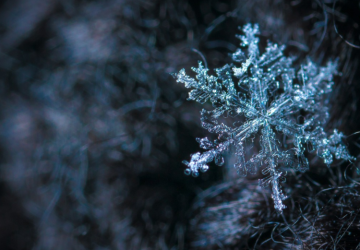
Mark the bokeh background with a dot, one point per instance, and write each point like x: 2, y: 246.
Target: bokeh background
x: 94, y: 127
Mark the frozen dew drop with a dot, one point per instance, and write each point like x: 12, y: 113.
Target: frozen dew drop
x: 219, y: 160
x: 204, y: 168
x: 195, y: 174
x: 187, y: 171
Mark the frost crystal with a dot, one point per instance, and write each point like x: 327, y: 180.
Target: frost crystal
x: 287, y: 109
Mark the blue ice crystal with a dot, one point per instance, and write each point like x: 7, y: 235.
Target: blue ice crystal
x: 266, y: 97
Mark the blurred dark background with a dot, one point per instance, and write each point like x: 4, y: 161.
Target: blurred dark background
x: 94, y: 128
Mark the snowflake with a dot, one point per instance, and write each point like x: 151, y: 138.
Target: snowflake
x: 270, y: 99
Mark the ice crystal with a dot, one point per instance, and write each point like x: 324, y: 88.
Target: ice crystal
x: 266, y: 97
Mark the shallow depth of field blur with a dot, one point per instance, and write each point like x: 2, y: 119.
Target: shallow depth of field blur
x: 94, y: 129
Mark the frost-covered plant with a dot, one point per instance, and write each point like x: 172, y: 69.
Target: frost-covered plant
x: 266, y: 97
